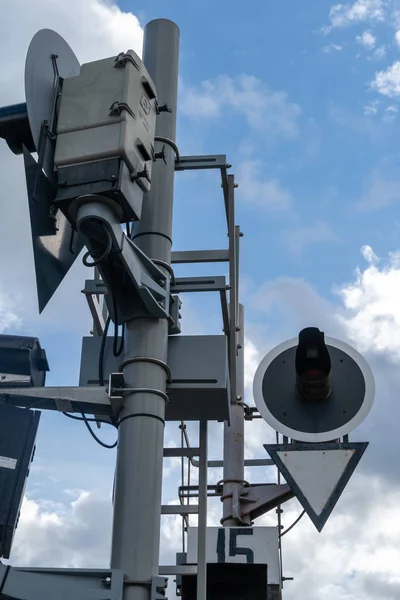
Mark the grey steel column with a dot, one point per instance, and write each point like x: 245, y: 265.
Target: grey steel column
x: 202, y: 523
x: 234, y: 442
x: 137, y: 506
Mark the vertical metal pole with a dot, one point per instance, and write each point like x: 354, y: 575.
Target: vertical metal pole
x: 234, y: 444
x: 137, y: 506
x: 202, y: 524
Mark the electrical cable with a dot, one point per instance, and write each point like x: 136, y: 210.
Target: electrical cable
x: 94, y: 436
x: 117, y: 351
x: 87, y: 421
x: 102, y: 350
x: 97, y: 261
x: 293, y: 524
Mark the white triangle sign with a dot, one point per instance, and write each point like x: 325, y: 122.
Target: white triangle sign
x: 317, y: 473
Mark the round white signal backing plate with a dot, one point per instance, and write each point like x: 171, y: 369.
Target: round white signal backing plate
x: 321, y: 436
x: 39, y: 75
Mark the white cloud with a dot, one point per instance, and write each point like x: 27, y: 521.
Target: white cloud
x: 343, y: 15
x: 380, y: 192
x: 264, y: 109
x: 261, y: 192
x: 387, y: 82
x: 327, y: 49
x: 371, y: 109
x: 297, y: 239
x: 397, y: 37
x: 366, y: 39
x: 369, y: 255
x: 379, y: 53
x: 8, y: 318
x: 372, y: 305
x: 75, y: 534
x: 251, y: 361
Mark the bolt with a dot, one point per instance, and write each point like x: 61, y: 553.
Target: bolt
x: 164, y: 108
x: 113, y: 178
x: 239, y: 346
x: 239, y: 398
x: 236, y: 185
x: 91, y: 332
x: 62, y: 182
x: 237, y: 328
x: 241, y: 234
x: 161, y: 155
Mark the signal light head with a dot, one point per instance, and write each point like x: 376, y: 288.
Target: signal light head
x: 313, y: 366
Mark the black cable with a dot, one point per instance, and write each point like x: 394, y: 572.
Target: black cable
x: 117, y: 351
x: 105, y: 254
x: 102, y: 350
x: 94, y: 436
x: 87, y: 421
x: 293, y: 524
x: 90, y: 419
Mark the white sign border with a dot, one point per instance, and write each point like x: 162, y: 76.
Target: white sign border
x: 326, y: 435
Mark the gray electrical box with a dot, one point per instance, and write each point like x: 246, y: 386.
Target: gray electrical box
x: 105, y: 133
x: 18, y: 428
x: 199, y: 387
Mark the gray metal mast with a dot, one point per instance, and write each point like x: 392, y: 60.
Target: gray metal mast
x: 136, y: 526
x: 233, y: 473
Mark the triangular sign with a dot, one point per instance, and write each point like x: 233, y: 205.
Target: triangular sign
x: 317, y: 473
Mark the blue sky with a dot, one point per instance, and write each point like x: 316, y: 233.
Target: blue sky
x: 303, y: 100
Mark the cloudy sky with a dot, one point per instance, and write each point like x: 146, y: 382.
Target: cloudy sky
x: 303, y: 98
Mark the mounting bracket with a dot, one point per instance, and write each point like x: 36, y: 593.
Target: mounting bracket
x: 127, y: 272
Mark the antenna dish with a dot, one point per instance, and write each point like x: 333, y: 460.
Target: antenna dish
x: 40, y: 75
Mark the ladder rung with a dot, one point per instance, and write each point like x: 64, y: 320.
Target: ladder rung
x: 178, y: 570
x: 178, y: 509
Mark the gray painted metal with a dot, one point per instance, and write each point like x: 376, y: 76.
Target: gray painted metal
x: 319, y: 517
x: 202, y: 520
x: 27, y: 583
x: 257, y: 499
x: 137, y: 500
x: 351, y: 399
x: 55, y: 245
x: 187, y: 509
x: 199, y: 256
x: 40, y: 76
x: 139, y: 285
x: 172, y: 452
x: 190, y: 404
x: 178, y: 570
x: 199, y: 284
x: 249, y: 462
x: 212, y: 161
x: 233, y: 289
x: 233, y: 473
x: 199, y: 385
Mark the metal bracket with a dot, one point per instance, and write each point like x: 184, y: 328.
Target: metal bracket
x: 256, y: 500
x: 58, y: 584
x: 126, y: 270
x: 199, y: 256
x: 191, y: 163
x: 123, y: 58
x: 116, y: 109
x: 199, y: 284
x: 158, y: 587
